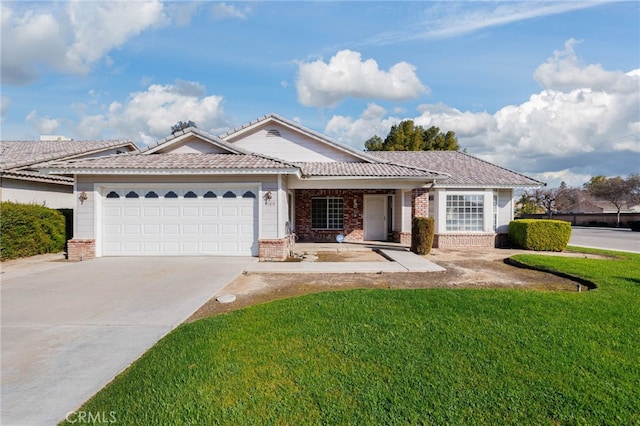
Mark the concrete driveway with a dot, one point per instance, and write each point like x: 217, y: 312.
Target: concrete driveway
x: 70, y: 328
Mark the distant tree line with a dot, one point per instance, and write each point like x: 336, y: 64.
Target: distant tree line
x: 620, y: 192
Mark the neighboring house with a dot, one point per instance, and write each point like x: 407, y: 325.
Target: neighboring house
x: 21, y: 182
x: 243, y: 193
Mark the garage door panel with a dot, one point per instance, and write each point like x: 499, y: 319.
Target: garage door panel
x: 132, y: 211
x: 152, y: 229
x: 210, y: 229
x: 191, y: 211
x: 171, y: 211
x: 130, y: 247
x: 132, y: 229
x: 152, y: 247
x: 191, y: 229
x: 170, y: 229
x: 179, y: 226
x: 151, y: 212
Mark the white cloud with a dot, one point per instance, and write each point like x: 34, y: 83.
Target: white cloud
x: 452, y: 19
x: 43, y: 125
x: 565, y: 72
x: 222, y: 11
x: 71, y: 39
x: 151, y: 113
x: 4, y: 105
x: 346, y: 75
x: 371, y: 122
x: 588, y: 129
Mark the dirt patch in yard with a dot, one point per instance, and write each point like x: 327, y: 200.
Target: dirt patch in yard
x: 349, y: 256
x: 464, y: 269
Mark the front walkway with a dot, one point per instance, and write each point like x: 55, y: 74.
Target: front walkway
x: 400, y: 260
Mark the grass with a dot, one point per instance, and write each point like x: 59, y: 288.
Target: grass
x: 433, y: 356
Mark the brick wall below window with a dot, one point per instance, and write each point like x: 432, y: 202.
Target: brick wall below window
x: 464, y: 240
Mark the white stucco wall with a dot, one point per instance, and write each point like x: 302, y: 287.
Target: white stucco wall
x: 289, y: 146
x: 54, y: 196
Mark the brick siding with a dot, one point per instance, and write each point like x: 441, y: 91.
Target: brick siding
x: 353, y: 213
x: 464, y: 240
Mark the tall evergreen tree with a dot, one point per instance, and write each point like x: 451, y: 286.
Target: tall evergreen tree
x: 406, y: 136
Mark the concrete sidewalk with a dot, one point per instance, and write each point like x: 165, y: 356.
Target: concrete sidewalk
x: 69, y: 328
x: 401, y: 261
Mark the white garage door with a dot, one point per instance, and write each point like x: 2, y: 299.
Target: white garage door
x: 186, y: 221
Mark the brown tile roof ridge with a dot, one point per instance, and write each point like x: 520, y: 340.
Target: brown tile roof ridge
x: 364, y: 169
x: 465, y: 169
x: 171, y: 161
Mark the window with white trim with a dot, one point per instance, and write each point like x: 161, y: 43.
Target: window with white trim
x: 465, y: 212
x: 327, y: 213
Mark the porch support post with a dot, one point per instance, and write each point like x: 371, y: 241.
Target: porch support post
x: 419, y: 202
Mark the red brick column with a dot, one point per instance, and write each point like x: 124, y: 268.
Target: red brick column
x: 273, y: 250
x: 81, y: 249
x: 419, y: 202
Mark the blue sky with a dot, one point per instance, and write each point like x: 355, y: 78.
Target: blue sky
x: 550, y: 89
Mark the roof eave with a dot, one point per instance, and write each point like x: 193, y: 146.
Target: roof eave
x: 177, y: 171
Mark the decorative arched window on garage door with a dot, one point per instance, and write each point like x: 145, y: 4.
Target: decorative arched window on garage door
x: 210, y: 194
x: 190, y: 194
x: 248, y: 194
x: 170, y: 194
x: 229, y: 194
x: 113, y: 194
x: 132, y: 194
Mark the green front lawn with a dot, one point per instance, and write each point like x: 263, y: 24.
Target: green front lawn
x: 435, y: 356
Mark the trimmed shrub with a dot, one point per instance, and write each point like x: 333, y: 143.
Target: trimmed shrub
x: 30, y: 229
x: 422, y: 230
x: 540, y: 235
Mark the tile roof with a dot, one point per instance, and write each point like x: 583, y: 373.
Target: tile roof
x: 24, y: 153
x: 464, y: 169
x: 36, y: 176
x: 358, y: 169
x: 168, y: 162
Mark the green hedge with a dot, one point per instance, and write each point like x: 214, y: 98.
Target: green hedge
x: 540, y: 235
x: 30, y: 229
x: 422, y: 230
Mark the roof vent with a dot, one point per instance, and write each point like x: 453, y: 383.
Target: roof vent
x: 272, y: 133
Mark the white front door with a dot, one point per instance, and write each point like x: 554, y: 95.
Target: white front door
x: 375, y: 220
x: 179, y: 221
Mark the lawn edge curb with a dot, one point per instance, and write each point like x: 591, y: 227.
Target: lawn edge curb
x: 587, y: 283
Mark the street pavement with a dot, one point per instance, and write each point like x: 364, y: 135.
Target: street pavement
x: 622, y: 239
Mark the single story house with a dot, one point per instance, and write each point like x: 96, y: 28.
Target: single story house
x: 245, y: 192
x: 21, y: 182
